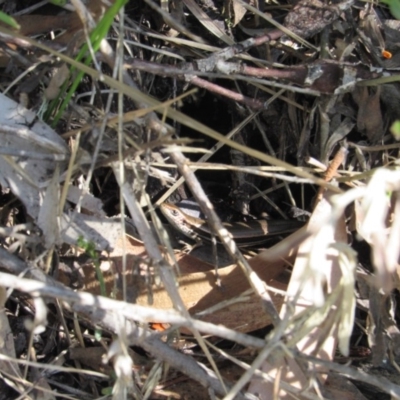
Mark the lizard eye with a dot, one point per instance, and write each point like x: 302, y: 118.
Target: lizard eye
x: 174, y: 213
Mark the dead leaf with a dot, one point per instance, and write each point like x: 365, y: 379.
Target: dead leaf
x: 86, y: 201
x: 369, y: 117
x: 49, y: 212
x: 309, y: 17
x: 308, y: 284
x: 57, y: 80
x: 42, y: 390
x: 238, y: 12
x: 378, y: 223
x: 103, y: 232
x: 339, y: 387
x: 7, y: 341
x: 198, y: 286
x: 25, y: 175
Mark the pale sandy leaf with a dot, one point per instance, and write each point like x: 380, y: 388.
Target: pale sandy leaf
x: 309, y: 276
x: 48, y: 213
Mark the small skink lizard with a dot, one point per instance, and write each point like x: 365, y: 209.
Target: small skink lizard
x: 249, y: 233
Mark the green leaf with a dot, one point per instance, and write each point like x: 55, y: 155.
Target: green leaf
x: 58, y: 2
x: 9, y: 20
x: 107, y: 391
x: 394, y: 7
x: 395, y: 129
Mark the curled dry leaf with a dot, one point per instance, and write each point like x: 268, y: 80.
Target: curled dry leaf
x: 238, y: 12
x: 316, y: 268
x: 374, y: 217
x: 60, y: 76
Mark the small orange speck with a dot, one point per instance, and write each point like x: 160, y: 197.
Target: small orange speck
x: 156, y: 326
x: 386, y: 54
